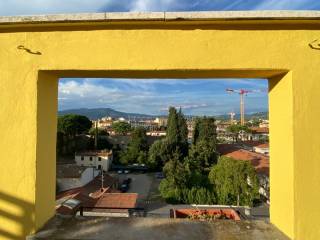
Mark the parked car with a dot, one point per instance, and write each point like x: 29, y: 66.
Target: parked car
x: 127, y: 181
x: 159, y: 175
x: 120, y: 171
x: 124, y: 187
x: 126, y: 171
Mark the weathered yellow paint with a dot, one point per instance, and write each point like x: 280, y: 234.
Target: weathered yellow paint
x: 277, y: 50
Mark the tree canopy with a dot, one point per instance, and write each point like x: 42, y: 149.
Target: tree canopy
x: 234, y: 181
x: 72, y: 124
x: 137, y: 148
x: 121, y: 127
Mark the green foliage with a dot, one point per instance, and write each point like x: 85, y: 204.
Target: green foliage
x: 101, y: 132
x: 196, y: 195
x: 121, y: 127
x: 72, y: 125
x: 254, y: 122
x: 159, y: 154
x: 175, y: 171
x: 172, y: 127
x: 177, y: 131
x: 235, y: 129
x: 69, y: 126
x: 234, y: 181
x: 205, y: 130
x: 203, y: 155
x: 137, y: 148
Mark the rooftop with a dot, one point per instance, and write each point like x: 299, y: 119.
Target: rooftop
x: 161, y: 16
x: 69, y: 171
x: 155, y: 228
x: 94, y: 153
x: 259, y: 161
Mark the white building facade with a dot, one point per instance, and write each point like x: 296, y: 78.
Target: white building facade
x: 97, y: 159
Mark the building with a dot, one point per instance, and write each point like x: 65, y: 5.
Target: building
x: 96, y: 199
x: 146, y: 124
x: 264, y: 124
x: 111, y: 205
x: 161, y: 121
x: 259, y: 133
x: 157, y: 133
x: 71, y: 176
x: 98, y: 159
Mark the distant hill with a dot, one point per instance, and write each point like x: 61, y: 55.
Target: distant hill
x: 95, y: 113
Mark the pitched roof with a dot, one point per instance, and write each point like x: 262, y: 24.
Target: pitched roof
x: 117, y: 200
x: 69, y: 171
x: 260, y: 129
x: 259, y: 161
x: 256, y: 144
x: 94, y: 153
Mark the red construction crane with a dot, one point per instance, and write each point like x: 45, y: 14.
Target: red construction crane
x: 242, y: 92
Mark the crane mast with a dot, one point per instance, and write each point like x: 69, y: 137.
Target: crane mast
x: 242, y: 93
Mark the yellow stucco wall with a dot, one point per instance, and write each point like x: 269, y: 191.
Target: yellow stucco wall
x: 279, y: 51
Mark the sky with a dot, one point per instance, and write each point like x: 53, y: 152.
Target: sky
x: 153, y: 96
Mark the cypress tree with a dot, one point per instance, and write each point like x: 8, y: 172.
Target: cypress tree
x: 172, y: 128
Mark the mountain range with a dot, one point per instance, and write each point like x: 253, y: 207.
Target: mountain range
x: 96, y: 113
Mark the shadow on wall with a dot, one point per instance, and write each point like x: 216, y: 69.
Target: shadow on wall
x: 16, y: 217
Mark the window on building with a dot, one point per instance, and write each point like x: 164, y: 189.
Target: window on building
x: 90, y: 158
x: 82, y: 158
x: 99, y: 158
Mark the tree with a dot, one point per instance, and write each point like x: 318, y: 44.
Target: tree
x: 176, y: 179
x: 137, y: 148
x: 234, y: 181
x: 235, y: 130
x: 159, y: 154
x: 172, y: 127
x: 202, y: 154
x: 69, y: 126
x: 72, y: 124
x: 205, y: 129
x: 101, y: 132
x: 121, y: 127
x: 177, y: 132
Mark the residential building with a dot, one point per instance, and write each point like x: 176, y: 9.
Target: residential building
x: 157, y: 133
x: 161, y: 121
x: 95, y: 199
x: 98, y: 159
x: 71, y: 176
x: 146, y: 124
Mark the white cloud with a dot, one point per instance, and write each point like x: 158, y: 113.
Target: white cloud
x: 286, y: 4
x: 29, y: 7
x: 74, y: 92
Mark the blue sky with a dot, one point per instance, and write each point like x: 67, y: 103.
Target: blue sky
x: 153, y: 96
x: 25, y: 7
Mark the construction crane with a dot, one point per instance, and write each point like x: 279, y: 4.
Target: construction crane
x: 242, y: 93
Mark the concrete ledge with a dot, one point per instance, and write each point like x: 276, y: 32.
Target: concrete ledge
x: 162, y: 16
x: 156, y: 229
